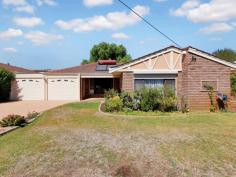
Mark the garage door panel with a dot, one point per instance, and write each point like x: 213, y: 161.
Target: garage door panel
x: 29, y: 89
x: 63, y: 89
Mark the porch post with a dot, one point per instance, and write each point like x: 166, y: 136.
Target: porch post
x: 45, y: 79
x: 79, y: 87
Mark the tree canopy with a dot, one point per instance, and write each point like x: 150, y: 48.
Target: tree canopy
x: 5, y: 84
x: 226, y: 54
x: 106, y: 51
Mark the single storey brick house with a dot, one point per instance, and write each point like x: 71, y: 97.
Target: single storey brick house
x: 185, y: 70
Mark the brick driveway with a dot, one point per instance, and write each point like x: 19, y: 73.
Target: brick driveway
x: 24, y: 107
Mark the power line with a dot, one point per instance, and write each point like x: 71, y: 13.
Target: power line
x: 146, y: 21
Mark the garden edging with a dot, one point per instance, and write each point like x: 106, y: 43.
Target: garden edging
x: 12, y: 128
x: 135, y: 116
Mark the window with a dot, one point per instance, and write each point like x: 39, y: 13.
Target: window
x: 213, y: 84
x: 154, y: 83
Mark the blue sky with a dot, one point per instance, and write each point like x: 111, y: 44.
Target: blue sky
x: 59, y: 33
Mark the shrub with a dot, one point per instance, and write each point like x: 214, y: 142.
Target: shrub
x: 144, y: 99
x: 137, y: 100
x: 167, y: 100
x: 32, y: 115
x: 210, y: 91
x: 113, y: 104
x: 233, y: 84
x: 6, y: 78
x: 148, y: 99
x: 110, y: 93
x: 12, y: 120
x: 167, y: 104
x: 184, y: 105
x: 161, y: 99
x: 127, y: 100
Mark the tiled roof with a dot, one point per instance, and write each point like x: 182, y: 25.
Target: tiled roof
x: 87, y: 68
x: 16, y: 69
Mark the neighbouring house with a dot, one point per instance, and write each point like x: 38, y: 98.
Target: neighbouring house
x: 185, y: 70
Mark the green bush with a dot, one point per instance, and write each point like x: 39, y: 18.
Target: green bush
x: 166, y: 102
x: 127, y: 100
x: 144, y: 99
x: 32, y: 115
x: 184, y: 105
x: 211, y: 94
x: 113, y: 104
x: 13, y: 120
x: 233, y: 84
x: 110, y: 93
x: 137, y: 100
x: 149, y: 98
x: 6, y: 78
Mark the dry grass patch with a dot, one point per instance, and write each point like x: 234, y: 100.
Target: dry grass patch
x: 73, y: 140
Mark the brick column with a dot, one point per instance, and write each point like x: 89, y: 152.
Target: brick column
x: 128, y: 81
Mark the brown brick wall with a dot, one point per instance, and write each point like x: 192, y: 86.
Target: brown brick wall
x: 232, y: 105
x: 194, y: 72
x: 127, y: 81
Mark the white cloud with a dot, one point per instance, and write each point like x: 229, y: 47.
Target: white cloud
x: 234, y: 24
x: 185, y: 8
x: 26, y: 8
x: 92, y: 3
x: 121, y: 36
x: 142, y: 42
x: 20, y: 43
x: 113, y: 21
x: 19, y: 5
x: 41, y: 38
x: 9, y: 50
x: 14, y: 2
x: 160, y: 0
x: 10, y: 33
x: 46, y: 2
x: 28, y: 22
x: 217, y: 28
x: 213, y: 11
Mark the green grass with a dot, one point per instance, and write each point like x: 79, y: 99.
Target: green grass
x: 75, y: 140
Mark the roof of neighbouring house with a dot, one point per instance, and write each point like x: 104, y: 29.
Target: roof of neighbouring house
x: 86, y: 68
x: 16, y: 69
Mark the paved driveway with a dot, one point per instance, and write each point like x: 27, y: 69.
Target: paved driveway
x: 24, y: 107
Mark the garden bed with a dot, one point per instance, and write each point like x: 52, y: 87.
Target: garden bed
x: 8, y: 129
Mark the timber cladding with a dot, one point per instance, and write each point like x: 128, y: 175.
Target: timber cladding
x: 196, y: 71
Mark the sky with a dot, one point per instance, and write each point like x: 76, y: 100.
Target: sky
x: 50, y: 34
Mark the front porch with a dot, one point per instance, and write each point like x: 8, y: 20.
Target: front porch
x: 96, y: 87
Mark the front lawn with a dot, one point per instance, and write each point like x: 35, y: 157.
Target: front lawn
x: 75, y: 140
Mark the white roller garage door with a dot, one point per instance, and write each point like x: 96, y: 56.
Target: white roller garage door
x: 63, y: 89
x: 29, y: 89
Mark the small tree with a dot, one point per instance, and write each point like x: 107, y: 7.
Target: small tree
x: 105, y: 51
x: 6, y: 78
x: 85, y: 61
x: 233, y: 84
x: 211, y: 94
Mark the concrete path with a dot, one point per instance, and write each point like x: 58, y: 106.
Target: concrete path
x: 25, y: 107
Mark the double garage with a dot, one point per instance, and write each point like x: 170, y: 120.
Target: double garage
x: 46, y: 87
